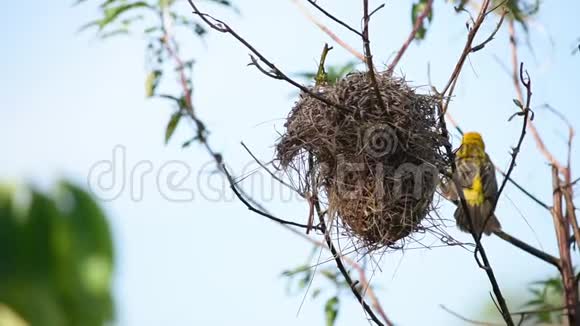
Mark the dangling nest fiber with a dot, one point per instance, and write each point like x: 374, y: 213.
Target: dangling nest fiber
x: 377, y: 165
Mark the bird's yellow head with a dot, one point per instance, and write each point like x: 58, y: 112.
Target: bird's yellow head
x: 472, y: 145
x: 473, y: 138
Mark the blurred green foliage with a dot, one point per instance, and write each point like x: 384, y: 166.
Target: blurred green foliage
x: 333, y: 73
x: 518, y: 10
x: 300, y: 279
x: 56, y: 258
x: 331, y: 284
x: 547, y: 300
x: 121, y: 17
x: 416, y: 10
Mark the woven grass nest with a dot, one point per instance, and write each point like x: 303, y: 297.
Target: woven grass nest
x: 376, y: 165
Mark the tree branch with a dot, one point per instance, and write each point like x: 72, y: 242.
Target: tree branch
x: 466, y: 51
x: 529, y: 249
x: 418, y: 23
x: 486, y: 265
x: 538, y: 139
x: 490, y: 38
x: 259, y: 211
x: 325, y: 29
x: 523, y: 190
x: 341, y: 22
x: 467, y: 320
x: 343, y: 271
x: 562, y: 235
x: 369, y: 56
x: 222, y: 27
x: 527, y: 82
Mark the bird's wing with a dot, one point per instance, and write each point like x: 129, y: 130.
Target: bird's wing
x: 466, y: 170
x: 489, y: 180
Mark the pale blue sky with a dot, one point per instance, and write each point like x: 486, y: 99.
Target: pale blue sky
x: 67, y: 99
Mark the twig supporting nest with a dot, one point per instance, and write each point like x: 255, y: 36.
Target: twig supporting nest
x: 377, y: 168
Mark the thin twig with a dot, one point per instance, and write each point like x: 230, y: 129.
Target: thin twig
x: 259, y: 211
x: 535, y: 134
x: 467, y: 320
x: 222, y: 27
x: 272, y: 174
x: 369, y: 55
x: 368, y: 289
x: 529, y: 312
x: 328, y: 32
x: 418, y: 23
x: 522, y: 245
x: 329, y: 15
x: 344, y: 272
x: 523, y: 190
x: 529, y: 249
x: 466, y: 51
x: 527, y: 82
x: 490, y: 38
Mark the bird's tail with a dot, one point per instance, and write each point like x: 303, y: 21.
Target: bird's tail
x: 477, y: 220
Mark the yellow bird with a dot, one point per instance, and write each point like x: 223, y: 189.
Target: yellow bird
x: 475, y: 176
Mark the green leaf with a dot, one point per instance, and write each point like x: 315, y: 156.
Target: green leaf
x: 336, y: 72
x: 117, y: 32
x: 171, y: 125
x: 170, y: 97
x: 416, y: 11
x: 534, y: 302
x: 333, y: 74
x: 306, y: 75
x: 57, y: 259
x: 110, y: 2
x: 151, y: 29
x: 188, y: 143
x: 89, y: 25
x: 329, y: 275
x: 298, y: 270
x: 316, y: 292
x: 518, y: 103
x: 346, y: 69
x: 460, y: 5
x: 226, y: 3
x: 305, y: 280
x: 165, y: 3
x: 331, y: 310
x: 111, y: 14
x: 151, y: 82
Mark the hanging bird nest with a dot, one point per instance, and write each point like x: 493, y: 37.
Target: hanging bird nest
x: 375, y: 164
